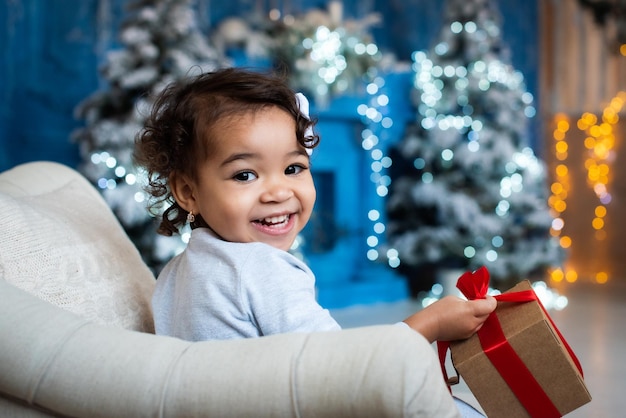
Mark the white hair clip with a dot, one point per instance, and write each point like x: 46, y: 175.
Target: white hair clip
x: 303, y: 104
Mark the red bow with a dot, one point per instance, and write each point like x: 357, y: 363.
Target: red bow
x: 474, y: 285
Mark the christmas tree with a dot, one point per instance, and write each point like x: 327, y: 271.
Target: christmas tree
x: 467, y: 190
x: 160, y: 42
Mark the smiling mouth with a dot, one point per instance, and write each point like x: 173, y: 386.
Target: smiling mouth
x: 274, y: 221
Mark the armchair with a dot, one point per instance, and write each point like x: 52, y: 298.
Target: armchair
x: 76, y: 334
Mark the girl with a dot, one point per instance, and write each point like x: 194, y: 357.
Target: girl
x: 229, y: 152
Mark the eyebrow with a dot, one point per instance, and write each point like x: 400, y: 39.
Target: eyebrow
x: 239, y: 156
x: 251, y: 156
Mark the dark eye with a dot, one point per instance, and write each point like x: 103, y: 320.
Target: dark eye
x: 294, y: 169
x: 244, y: 176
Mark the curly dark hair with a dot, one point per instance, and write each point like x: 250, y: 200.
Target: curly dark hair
x: 177, y: 134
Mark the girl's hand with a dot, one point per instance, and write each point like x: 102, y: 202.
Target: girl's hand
x: 451, y: 318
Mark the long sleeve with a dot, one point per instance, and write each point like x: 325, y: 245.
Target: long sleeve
x: 222, y: 290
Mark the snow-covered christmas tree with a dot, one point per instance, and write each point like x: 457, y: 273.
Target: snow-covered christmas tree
x: 467, y: 189
x: 160, y: 42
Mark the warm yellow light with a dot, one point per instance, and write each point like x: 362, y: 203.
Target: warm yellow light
x: 565, y: 242
x: 571, y: 276
x: 622, y: 49
x: 560, y: 206
x: 617, y: 102
x: 600, y: 143
x: 606, y: 129
x: 602, y: 277
x: 612, y: 119
x: 589, y: 118
x: 559, y: 190
x: 556, y: 188
x: 558, y: 135
x: 557, y: 275
x: 597, y: 223
x: 610, y: 110
x: 595, y: 131
x: 609, y: 141
x: 562, y: 125
x: 552, y: 199
x: 601, y: 151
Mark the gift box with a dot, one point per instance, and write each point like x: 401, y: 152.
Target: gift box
x: 518, y: 364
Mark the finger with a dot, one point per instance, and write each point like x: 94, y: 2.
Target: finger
x: 484, y: 306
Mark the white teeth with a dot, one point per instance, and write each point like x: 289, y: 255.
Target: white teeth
x: 276, y: 219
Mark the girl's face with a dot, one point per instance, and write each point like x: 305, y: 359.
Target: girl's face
x: 256, y: 186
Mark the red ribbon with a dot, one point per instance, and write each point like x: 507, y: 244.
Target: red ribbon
x: 474, y: 285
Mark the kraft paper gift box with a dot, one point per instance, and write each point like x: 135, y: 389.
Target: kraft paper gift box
x: 529, y: 370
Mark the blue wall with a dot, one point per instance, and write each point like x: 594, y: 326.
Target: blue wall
x: 52, y: 49
x: 49, y: 64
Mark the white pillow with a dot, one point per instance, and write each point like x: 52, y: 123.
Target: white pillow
x: 64, y: 245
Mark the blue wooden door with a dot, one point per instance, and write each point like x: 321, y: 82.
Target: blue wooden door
x: 336, y: 239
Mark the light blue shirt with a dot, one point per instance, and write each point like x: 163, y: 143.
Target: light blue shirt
x: 217, y: 289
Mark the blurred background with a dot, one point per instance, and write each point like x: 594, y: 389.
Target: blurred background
x: 455, y: 134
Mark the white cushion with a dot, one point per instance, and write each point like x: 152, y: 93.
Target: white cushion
x: 59, y: 363
x: 62, y: 243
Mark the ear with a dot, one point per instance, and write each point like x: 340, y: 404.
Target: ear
x: 183, y: 191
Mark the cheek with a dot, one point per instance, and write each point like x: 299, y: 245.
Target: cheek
x: 223, y: 208
x: 235, y: 206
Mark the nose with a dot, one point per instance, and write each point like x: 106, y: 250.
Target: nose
x: 276, y: 190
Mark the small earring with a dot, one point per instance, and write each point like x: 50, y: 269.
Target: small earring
x: 191, y: 217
